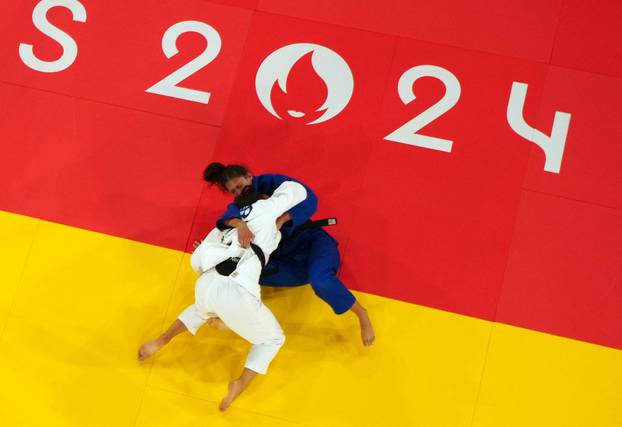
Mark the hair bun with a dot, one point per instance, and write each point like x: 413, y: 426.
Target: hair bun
x: 213, y: 172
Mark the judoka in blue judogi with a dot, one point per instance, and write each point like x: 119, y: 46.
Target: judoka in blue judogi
x: 305, y: 255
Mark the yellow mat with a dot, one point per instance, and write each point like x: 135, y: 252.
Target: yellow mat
x: 75, y: 305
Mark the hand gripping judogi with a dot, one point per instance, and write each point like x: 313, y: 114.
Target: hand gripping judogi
x: 236, y: 298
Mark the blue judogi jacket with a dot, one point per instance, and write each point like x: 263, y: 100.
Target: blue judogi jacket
x: 290, y: 264
x: 266, y: 184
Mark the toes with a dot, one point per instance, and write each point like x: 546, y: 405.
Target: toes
x: 225, y: 403
x: 368, y: 340
x: 146, y: 351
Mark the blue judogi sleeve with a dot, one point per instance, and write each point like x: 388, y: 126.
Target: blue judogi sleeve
x: 266, y: 184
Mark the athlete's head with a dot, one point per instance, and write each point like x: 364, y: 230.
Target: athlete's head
x: 248, y: 198
x: 234, y: 179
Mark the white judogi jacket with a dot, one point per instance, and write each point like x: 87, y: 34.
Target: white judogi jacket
x: 261, y: 220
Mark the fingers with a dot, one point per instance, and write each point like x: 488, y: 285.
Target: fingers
x: 245, y: 242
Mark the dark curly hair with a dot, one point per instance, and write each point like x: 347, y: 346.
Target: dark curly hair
x: 219, y: 174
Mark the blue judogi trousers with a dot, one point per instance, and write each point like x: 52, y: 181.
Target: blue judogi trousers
x: 310, y: 256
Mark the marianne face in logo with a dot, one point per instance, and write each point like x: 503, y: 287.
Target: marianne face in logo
x: 328, y: 65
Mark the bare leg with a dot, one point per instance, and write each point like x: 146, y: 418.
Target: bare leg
x: 148, y: 349
x: 367, y: 331
x: 217, y: 323
x: 236, y: 387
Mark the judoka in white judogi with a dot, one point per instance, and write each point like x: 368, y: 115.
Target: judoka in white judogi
x: 236, y: 299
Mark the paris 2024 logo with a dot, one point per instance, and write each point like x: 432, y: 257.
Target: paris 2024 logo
x: 327, y: 64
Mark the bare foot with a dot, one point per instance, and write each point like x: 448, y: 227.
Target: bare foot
x: 148, y: 349
x: 367, y: 330
x: 235, y: 388
x: 216, y: 323
x: 367, y: 333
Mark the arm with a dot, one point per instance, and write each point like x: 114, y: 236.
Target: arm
x: 213, y: 237
x: 232, y: 219
x: 286, y: 196
x: 231, y: 213
x: 245, y: 235
x: 298, y: 214
x: 304, y: 210
x: 280, y: 221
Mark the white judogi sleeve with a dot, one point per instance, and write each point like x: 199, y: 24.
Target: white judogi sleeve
x: 214, y: 249
x: 262, y: 222
x: 286, y: 196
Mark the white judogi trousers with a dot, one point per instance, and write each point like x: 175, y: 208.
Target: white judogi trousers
x: 221, y: 296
